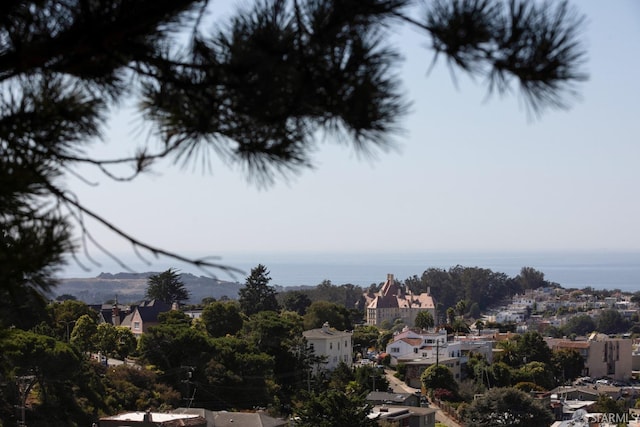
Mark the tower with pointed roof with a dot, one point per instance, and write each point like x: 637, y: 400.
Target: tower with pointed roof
x: 393, y: 302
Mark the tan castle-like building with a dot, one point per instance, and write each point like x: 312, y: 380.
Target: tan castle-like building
x: 394, y: 302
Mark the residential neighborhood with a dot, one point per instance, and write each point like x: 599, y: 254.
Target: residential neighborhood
x: 609, y: 363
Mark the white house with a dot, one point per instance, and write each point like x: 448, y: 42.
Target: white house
x: 410, y: 344
x: 336, y: 346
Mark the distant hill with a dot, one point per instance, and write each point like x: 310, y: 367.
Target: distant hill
x: 131, y: 287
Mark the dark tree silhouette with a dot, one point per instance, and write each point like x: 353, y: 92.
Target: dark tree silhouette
x: 167, y: 287
x: 257, y: 295
x: 257, y: 90
x: 507, y: 407
x: 424, y: 320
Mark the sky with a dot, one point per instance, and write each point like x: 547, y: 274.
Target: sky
x: 471, y: 173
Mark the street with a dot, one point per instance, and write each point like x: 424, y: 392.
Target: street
x: 401, y: 387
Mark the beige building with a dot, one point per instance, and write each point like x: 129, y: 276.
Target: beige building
x: 336, y: 346
x: 603, y: 356
x: 394, y: 302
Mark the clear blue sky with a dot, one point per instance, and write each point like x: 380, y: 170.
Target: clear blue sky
x: 470, y: 174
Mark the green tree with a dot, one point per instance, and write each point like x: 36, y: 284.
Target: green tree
x: 424, y: 320
x: 451, y: 315
x: 333, y: 408
x: 280, y: 336
x: 438, y: 376
x: 106, y: 339
x: 295, y: 301
x: 610, y: 321
x: 607, y: 405
x: 167, y: 287
x: 129, y: 388
x: 64, y: 315
x: 52, y: 363
x: 222, y: 318
x: 238, y: 366
x: 568, y: 364
x: 461, y: 308
x: 323, y: 66
x: 370, y: 378
x: 126, y: 342
x: 83, y: 333
x: 320, y: 312
x: 499, y: 375
x: 506, y: 407
x: 257, y: 295
x: 530, y: 278
x: 580, y: 324
x: 535, y: 372
x: 531, y: 347
x: 460, y: 326
x: 508, y: 353
x: 474, y: 310
x: 365, y: 336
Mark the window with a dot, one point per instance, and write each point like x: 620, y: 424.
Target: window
x: 136, y: 325
x: 346, y: 344
x: 330, y: 346
x: 415, y: 350
x: 395, y: 349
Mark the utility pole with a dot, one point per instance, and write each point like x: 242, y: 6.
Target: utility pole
x: 24, y: 383
x: 188, y: 397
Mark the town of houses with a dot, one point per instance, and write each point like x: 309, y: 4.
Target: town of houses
x: 611, y: 362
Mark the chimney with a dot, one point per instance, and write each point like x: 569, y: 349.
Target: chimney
x: 390, y: 277
x: 115, y: 313
x: 147, y: 417
x: 325, y: 327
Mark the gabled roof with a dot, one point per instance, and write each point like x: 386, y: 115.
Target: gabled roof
x: 149, y: 310
x: 383, y: 396
x: 392, y: 295
x: 415, y: 342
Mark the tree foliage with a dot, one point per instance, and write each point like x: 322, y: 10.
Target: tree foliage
x: 530, y: 278
x: 222, y: 318
x: 167, y: 287
x: 257, y: 295
x: 295, y: 301
x: 438, y: 376
x: 581, y: 324
x: 333, y: 408
x: 320, y: 312
x: 568, y: 364
x: 506, y: 407
x: 610, y: 321
x: 424, y: 320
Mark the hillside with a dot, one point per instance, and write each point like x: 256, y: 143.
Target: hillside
x: 131, y: 287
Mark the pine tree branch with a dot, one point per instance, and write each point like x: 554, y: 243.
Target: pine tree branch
x: 200, y: 263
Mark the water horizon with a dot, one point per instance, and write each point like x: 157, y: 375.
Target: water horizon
x: 570, y: 269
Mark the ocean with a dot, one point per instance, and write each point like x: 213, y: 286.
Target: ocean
x: 597, y: 269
